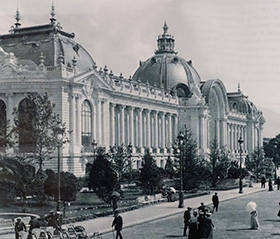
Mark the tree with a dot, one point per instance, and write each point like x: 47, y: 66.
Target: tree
x: 224, y: 163
x: 69, y: 186
x: 169, y: 168
x: 192, y: 165
x: 102, y: 177
x: 151, y: 175
x: 214, y: 161
x: 255, y: 162
x: 44, y: 125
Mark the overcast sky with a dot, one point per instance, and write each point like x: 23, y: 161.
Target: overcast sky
x: 236, y: 41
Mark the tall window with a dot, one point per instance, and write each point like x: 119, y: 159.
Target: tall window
x: 86, y: 126
x: 26, y: 126
x: 3, y: 125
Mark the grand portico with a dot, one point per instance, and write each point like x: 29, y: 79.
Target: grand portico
x: 164, y: 95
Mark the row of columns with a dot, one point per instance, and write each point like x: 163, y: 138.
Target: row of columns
x: 236, y: 131
x: 143, y: 128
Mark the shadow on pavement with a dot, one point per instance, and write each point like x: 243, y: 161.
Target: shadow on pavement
x: 271, y: 220
x: 172, y: 236
x: 239, y: 229
x: 275, y: 234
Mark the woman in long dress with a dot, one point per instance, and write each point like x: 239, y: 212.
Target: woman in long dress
x: 193, y: 231
x: 254, y: 220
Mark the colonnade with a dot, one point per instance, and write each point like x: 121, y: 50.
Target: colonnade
x: 142, y: 127
x: 235, y: 131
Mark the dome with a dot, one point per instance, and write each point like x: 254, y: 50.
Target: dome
x: 55, y: 45
x: 166, y: 69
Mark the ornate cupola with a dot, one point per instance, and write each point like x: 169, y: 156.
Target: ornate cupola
x: 165, y: 41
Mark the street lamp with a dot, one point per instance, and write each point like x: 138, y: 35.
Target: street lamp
x: 181, y: 197
x: 240, y: 142
x: 275, y: 153
x: 129, y: 149
x: 93, y: 144
x: 59, y: 137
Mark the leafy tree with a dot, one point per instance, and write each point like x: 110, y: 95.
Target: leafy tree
x: 233, y: 171
x: 102, y: 177
x: 7, y: 191
x: 69, y: 186
x: 192, y: 165
x: 45, y: 123
x: 255, y: 162
x: 224, y: 163
x: 151, y: 175
x: 121, y: 159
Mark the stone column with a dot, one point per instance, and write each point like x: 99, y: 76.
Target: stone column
x: 72, y: 122
x: 78, y: 121
x: 131, y: 126
x: 156, y: 130
x: 148, y: 138
x: 112, y: 123
x: 163, y: 130
x: 122, y: 132
x: 169, y: 131
x: 99, y: 122
x: 176, y: 126
x: 10, y: 108
x: 140, y: 132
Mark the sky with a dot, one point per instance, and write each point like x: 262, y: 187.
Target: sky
x: 236, y: 41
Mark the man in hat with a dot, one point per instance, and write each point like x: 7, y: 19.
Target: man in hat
x: 118, y: 223
x: 215, y: 200
x: 187, y: 217
x: 19, y: 226
x: 52, y: 219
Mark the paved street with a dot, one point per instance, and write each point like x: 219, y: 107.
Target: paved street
x: 232, y: 221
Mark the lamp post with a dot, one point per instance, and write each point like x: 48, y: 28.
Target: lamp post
x: 59, y: 137
x: 129, y: 148
x: 93, y: 144
x: 181, y: 197
x: 275, y: 153
x: 240, y: 142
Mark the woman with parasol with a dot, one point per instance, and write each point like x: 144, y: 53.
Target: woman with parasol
x: 251, y: 207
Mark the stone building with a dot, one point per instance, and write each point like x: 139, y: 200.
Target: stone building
x: 164, y: 95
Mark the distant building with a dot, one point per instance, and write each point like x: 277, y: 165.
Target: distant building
x: 164, y: 95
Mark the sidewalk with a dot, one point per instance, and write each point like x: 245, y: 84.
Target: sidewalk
x: 157, y: 211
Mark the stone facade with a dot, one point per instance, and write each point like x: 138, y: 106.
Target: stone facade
x: 164, y: 96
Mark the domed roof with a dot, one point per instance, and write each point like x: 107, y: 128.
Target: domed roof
x: 166, y: 69
x: 55, y: 45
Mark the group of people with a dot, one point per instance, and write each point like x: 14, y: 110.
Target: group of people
x: 270, y: 185
x: 51, y: 220
x: 199, y: 223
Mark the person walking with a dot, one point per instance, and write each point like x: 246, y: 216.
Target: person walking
x: 215, y: 200
x: 207, y: 227
x: 270, y: 186
x: 52, y: 220
x: 263, y: 181
x: 34, y: 223
x: 254, y: 220
x: 193, y: 226
x: 19, y: 227
x: 187, y: 217
x: 278, y: 183
x: 118, y: 223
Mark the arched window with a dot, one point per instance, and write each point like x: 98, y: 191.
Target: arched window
x: 26, y: 124
x: 3, y: 125
x: 86, y: 126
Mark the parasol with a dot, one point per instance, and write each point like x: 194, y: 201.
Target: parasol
x: 173, y: 190
x: 251, y: 206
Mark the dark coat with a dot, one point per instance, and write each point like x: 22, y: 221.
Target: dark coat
x: 118, y: 223
x: 20, y: 226
x: 215, y: 199
x: 187, y: 216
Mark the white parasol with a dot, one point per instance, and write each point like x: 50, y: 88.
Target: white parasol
x: 172, y: 189
x: 251, y: 206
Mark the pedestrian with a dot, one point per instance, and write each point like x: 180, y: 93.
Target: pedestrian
x: 215, y: 200
x: 278, y: 183
x: 19, y: 227
x: 207, y: 227
x: 118, y: 223
x: 254, y: 220
x: 201, y: 208
x: 278, y: 214
x: 52, y: 220
x: 187, y: 217
x: 263, y: 181
x: 34, y: 223
x: 193, y: 226
x: 270, y: 187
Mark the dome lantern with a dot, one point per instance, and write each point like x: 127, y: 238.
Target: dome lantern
x: 165, y: 41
